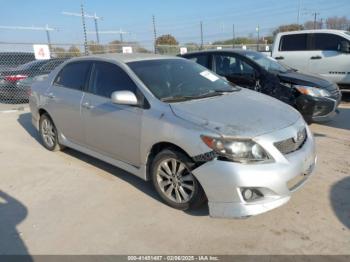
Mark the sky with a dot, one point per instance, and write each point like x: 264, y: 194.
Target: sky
x: 180, y: 18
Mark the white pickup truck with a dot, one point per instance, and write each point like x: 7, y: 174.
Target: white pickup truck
x: 324, y: 52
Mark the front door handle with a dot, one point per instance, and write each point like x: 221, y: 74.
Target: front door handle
x: 50, y: 96
x: 87, y: 106
x: 316, y: 57
x: 279, y: 58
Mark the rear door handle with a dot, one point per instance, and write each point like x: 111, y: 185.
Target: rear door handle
x: 279, y: 58
x: 87, y: 106
x: 316, y: 57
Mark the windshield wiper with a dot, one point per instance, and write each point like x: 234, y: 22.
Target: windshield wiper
x: 204, y: 95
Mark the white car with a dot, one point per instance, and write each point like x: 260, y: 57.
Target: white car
x: 324, y: 52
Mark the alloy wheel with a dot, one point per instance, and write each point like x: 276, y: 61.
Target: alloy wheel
x: 175, y: 180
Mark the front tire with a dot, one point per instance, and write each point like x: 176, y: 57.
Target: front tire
x: 48, y: 133
x: 174, y: 181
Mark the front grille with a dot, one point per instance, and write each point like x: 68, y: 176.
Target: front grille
x: 292, y: 144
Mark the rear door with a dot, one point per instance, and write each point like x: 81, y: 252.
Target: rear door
x: 293, y: 51
x: 112, y: 130
x: 65, y: 96
x: 325, y: 57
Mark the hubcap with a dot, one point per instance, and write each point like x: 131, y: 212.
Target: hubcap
x: 48, y: 132
x: 175, y: 180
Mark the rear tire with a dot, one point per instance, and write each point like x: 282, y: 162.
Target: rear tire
x: 174, y: 181
x: 48, y: 133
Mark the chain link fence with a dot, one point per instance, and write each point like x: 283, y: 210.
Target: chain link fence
x: 19, y: 69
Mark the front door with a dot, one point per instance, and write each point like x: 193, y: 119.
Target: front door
x: 235, y: 70
x: 112, y: 130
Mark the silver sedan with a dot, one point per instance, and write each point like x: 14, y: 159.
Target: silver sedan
x: 170, y: 120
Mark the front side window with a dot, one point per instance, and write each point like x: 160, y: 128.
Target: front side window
x: 179, y: 79
x: 108, y: 78
x: 200, y: 59
x: 327, y: 42
x: 297, y: 42
x: 227, y: 65
x: 73, y: 75
x: 268, y: 63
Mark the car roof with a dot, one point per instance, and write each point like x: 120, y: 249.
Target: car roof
x: 226, y: 50
x: 125, y: 58
x: 331, y: 31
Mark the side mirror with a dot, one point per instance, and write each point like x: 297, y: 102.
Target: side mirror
x: 344, y: 47
x: 124, y: 98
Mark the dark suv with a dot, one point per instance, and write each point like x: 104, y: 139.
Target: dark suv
x: 314, y: 97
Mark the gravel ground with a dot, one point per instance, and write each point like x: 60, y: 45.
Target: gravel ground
x: 70, y: 203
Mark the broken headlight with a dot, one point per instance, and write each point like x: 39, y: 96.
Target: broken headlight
x: 242, y: 151
x: 312, y: 91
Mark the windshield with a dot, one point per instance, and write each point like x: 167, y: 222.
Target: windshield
x: 269, y: 63
x: 179, y: 79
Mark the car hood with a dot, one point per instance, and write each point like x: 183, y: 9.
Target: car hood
x: 297, y: 78
x: 239, y: 114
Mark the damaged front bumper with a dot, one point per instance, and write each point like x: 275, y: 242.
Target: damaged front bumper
x: 224, y: 182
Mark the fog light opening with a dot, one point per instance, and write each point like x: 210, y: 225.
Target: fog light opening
x: 251, y: 194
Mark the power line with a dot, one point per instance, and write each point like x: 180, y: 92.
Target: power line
x: 83, y: 15
x: 46, y: 28
x: 120, y: 32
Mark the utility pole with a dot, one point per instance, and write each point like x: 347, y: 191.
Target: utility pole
x: 233, y: 36
x: 298, y: 17
x: 96, y: 28
x: 84, y: 29
x: 154, y: 33
x: 201, y: 29
x: 315, y: 18
x: 257, y: 42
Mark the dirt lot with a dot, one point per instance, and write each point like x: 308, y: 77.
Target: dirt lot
x: 69, y: 203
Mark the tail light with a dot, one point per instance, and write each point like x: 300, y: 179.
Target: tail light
x: 14, y: 78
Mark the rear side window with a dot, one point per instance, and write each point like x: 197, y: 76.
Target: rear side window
x: 51, y: 65
x: 297, y: 42
x: 326, y: 42
x: 73, y: 75
x: 200, y: 59
x: 108, y: 78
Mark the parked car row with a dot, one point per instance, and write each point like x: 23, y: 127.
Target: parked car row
x: 195, y: 135
x: 15, y: 83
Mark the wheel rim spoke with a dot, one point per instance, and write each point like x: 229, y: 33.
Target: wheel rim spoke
x: 166, y: 168
x: 163, y: 174
x: 164, y: 183
x: 177, y: 195
x: 187, y: 186
x: 169, y: 191
x: 180, y: 169
x: 183, y: 193
x: 173, y: 166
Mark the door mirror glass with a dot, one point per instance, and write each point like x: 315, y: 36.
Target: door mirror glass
x: 124, y: 98
x: 344, y: 47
